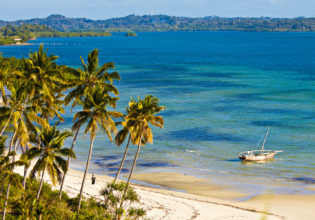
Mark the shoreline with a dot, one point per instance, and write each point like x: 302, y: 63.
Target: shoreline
x: 17, y: 44
x: 169, y: 204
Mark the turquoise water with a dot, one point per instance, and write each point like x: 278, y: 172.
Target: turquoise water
x: 222, y: 90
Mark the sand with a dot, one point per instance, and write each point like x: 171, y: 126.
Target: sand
x: 291, y: 206
x: 189, y: 184
x: 203, y: 200
x: 159, y: 203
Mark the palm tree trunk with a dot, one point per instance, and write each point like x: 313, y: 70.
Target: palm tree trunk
x: 24, y: 177
x: 123, y: 160
x: 10, y: 146
x: 6, y: 202
x: 12, y: 140
x: 6, y: 124
x: 68, y: 162
x: 131, y: 171
x: 86, y: 169
x: 8, y: 187
x: 26, y: 167
x: 121, y: 166
x: 41, y: 183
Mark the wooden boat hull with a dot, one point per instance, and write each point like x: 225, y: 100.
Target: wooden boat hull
x: 257, y: 157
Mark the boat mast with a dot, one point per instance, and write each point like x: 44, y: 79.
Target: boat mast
x: 262, y: 148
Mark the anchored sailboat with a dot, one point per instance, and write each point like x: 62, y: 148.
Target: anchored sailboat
x: 258, y: 155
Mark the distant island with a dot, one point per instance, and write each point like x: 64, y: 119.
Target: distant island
x: 130, y: 34
x: 19, y: 35
x: 134, y: 23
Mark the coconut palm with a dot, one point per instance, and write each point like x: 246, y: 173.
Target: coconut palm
x: 119, y: 139
x: 50, y: 154
x: 89, y: 76
x: 44, y: 82
x: 96, y: 115
x: 141, y: 113
x: 7, y: 164
x: 42, y: 74
x: 84, y: 80
x: 8, y: 70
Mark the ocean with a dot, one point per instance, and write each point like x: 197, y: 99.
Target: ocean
x: 222, y: 90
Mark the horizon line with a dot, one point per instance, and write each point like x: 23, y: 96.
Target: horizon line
x: 138, y: 15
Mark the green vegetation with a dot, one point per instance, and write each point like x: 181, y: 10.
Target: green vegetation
x: 20, y: 34
x: 24, y: 205
x: 133, y: 23
x: 32, y: 92
x: 130, y: 34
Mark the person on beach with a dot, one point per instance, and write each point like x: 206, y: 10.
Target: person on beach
x: 93, y: 179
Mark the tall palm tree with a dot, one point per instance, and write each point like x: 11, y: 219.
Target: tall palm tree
x: 89, y: 76
x: 96, y: 115
x: 119, y: 139
x: 7, y: 165
x: 84, y: 80
x: 44, y: 82
x: 50, y: 154
x: 8, y: 69
x: 141, y: 113
x: 42, y: 73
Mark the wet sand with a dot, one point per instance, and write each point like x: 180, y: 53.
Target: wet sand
x: 201, y: 198
x: 189, y: 184
x: 297, y: 207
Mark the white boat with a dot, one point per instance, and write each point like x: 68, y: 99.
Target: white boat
x: 258, y: 155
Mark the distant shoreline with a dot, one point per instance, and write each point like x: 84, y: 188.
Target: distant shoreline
x: 17, y: 44
x: 160, y: 22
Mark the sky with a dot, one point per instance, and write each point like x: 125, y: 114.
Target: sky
x: 102, y: 9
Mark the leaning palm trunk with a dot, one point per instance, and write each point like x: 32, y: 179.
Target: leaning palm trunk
x: 6, y: 202
x: 121, y: 166
x: 8, y: 187
x: 68, y: 162
x: 26, y: 167
x: 24, y: 177
x: 85, y: 172
x: 123, y: 160
x: 6, y: 124
x: 10, y: 145
x: 131, y: 171
x: 41, y: 183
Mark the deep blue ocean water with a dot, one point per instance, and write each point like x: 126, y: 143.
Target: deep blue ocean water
x: 222, y: 90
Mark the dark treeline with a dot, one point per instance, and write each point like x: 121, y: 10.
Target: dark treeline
x: 10, y: 34
x: 171, y: 23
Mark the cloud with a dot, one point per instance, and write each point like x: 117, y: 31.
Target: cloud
x: 273, y: 2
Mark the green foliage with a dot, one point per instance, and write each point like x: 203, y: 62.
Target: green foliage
x: 32, y: 90
x: 172, y: 23
x: 23, y: 204
x: 114, y: 194
x: 10, y: 34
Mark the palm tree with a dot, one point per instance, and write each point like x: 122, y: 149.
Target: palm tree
x: 8, y: 69
x: 50, y: 154
x: 141, y: 113
x: 6, y: 170
x: 44, y: 82
x: 89, y: 76
x: 119, y: 139
x: 43, y: 75
x: 84, y: 80
x: 96, y: 115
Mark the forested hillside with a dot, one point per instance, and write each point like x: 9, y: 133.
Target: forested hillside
x: 172, y: 23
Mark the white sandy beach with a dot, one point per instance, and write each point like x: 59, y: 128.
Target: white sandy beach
x: 165, y: 204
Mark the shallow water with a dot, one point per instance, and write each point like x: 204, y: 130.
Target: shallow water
x: 221, y: 90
